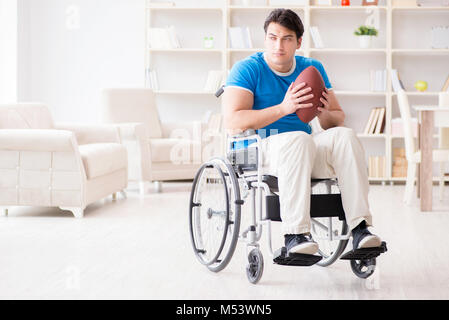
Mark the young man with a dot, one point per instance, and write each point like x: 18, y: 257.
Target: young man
x: 259, y: 95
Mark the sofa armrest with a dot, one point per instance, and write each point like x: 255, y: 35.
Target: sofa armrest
x: 37, y: 140
x: 133, y: 131
x: 92, y: 133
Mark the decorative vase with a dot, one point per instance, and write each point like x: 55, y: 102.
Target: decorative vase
x: 345, y: 3
x: 365, y: 41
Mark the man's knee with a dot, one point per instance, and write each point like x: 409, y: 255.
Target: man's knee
x: 344, y: 134
x: 297, y: 140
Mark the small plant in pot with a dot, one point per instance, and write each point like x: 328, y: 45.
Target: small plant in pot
x: 365, y: 34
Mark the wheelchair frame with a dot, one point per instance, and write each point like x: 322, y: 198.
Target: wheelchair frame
x: 259, y: 185
x: 254, y: 186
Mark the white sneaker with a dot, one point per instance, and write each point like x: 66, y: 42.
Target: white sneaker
x: 299, y: 243
x: 362, y: 238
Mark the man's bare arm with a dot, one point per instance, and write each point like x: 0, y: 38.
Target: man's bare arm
x: 331, y: 115
x: 239, y: 115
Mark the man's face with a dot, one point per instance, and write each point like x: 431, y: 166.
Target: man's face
x: 281, y: 44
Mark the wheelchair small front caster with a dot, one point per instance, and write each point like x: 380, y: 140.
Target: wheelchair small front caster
x: 363, y: 268
x: 254, y: 269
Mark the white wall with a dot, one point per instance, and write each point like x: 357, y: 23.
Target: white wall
x: 70, y: 49
x: 8, y: 51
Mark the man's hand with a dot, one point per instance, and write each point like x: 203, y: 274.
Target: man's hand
x: 325, y: 110
x: 294, y: 97
x: 331, y: 114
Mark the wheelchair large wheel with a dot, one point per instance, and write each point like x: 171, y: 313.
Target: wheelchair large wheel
x: 330, y: 250
x: 214, y: 216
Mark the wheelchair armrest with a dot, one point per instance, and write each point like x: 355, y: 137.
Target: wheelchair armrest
x: 247, y: 133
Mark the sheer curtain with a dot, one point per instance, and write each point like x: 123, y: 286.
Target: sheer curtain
x: 8, y: 51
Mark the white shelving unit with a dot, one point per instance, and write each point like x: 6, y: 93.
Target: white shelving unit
x: 403, y: 43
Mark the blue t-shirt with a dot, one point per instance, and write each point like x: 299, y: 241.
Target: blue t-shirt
x: 269, y: 88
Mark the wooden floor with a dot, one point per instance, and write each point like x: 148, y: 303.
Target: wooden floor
x: 139, y: 248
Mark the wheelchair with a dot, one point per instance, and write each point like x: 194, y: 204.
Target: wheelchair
x: 223, y: 185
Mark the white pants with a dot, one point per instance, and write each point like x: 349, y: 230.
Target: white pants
x: 296, y: 157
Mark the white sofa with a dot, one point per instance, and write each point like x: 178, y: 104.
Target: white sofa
x: 57, y: 165
x: 159, y: 151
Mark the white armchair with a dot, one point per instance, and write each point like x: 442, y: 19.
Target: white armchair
x: 56, y: 165
x: 158, y: 151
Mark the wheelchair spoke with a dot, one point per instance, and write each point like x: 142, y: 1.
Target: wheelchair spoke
x: 215, y: 214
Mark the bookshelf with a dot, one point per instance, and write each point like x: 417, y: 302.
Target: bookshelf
x: 403, y: 43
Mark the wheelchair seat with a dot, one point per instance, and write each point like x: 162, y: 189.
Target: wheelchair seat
x: 323, y: 204
x: 272, y: 182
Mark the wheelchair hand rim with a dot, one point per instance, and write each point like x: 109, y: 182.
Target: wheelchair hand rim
x: 193, y: 205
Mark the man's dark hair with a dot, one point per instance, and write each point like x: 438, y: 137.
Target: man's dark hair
x: 286, y: 18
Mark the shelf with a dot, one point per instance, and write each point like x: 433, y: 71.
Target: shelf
x: 349, y: 50
x: 245, y: 50
x: 175, y: 8
x: 435, y: 179
x: 435, y: 136
x: 420, y: 8
x: 420, y: 51
x: 346, y: 8
x: 264, y: 7
x: 254, y: 50
x: 371, y: 136
x: 418, y: 94
x: 360, y: 93
x: 181, y: 50
x: 379, y: 179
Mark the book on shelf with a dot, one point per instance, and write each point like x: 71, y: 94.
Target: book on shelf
x: 316, y: 37
x: 214, y: 81
x: 323, y: 2
x: 400, y: 163
x: 152, y: 79
x: 396, y: 81
x: 397, y: 127
x: 376, y: 166
x: 378, y: 80
x: 376, y: 121
x: 163, y: 38
x: 404, y: 3
x: 240, y: 38
x: 370, y: 121
x: 446, y: 85
x: 380, y: 125
x: 370, y: 2
x: 440, y: 37
x: 372, y: 125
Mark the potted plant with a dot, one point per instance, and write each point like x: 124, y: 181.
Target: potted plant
x: 365, y: 34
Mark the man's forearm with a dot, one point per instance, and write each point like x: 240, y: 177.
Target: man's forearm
x: 334, y: 118
x: 243, y: 120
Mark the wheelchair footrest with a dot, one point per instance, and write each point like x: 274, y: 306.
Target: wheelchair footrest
x: 294, y: 259
x: 365, y: 253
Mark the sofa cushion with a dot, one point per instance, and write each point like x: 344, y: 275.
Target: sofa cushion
x: 103, y: 158
x: 176, y: 151
x: 25, y: 116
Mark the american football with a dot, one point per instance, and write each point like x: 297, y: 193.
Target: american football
x: 312, y: 77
